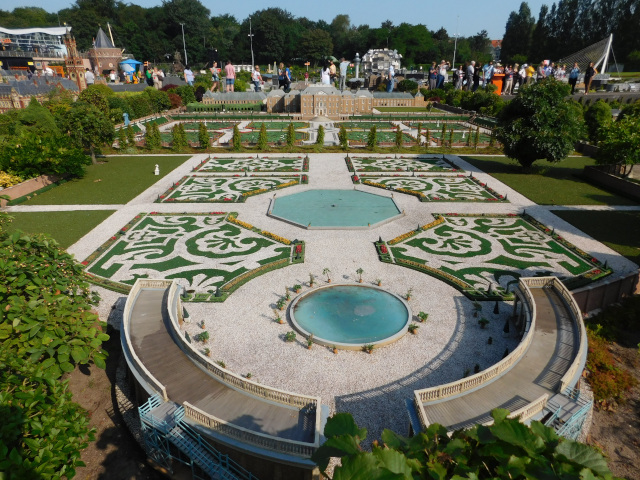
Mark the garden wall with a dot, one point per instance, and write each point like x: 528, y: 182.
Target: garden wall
x: 606, y: 292
x: 30, y: 186
x: 600, y: 175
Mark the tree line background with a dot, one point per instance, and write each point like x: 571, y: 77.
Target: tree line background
x: 155, y: 33
x: 571, y: 25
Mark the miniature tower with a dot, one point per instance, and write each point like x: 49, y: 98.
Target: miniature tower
x: 75, y: 65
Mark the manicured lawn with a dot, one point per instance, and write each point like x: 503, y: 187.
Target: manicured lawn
x: 549, y: 183
x: 116, y: 181
x: 66, y: 227
x: 619, y: 231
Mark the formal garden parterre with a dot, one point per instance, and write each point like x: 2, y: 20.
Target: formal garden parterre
x: 208, y: 188
x: 458, y: 188
x: 421, y: 163
x: 484, y: 255
x: 210, y: 254
x: 255, y: 164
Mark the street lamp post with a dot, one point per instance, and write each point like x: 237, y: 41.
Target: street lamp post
x: 251, y: 40
x: 184, y: 46
x: 455, y: 44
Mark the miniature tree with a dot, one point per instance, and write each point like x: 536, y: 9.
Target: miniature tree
x: 419, y: 132
x: 203, y: 136
x: 236, y: 138
x: 122, y: 139
x: 131, y: 137
x: 398, y: 137
x: 152, y: 137
x: 326, y: 272
x: 476, y: 138
x: 320, y: 137
x: 343, y: 138
x: 291, y: 135
x: 372, y: 139
x: 443, y: 133
x: 179, y: 137
x: 262, y: 137
x: 360, y: 271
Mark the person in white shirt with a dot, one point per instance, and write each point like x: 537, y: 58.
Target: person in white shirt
x: 89, y: 77
x: 189, y: 77
x: 256, y: 78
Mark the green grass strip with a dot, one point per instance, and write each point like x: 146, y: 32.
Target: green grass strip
x: 116, y: 180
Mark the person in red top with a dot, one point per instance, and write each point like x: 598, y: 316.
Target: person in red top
x: 230, y: 72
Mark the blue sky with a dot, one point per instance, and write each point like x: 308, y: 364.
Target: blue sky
x: 474, y: 15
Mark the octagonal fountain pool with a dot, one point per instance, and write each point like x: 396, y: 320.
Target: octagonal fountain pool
x: 350, y: 316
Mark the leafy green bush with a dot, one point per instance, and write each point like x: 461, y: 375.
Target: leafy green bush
x: 140, y: 105
x: 407, y: 85
x: 187, y: 94
x: 505, y: 450
x: 33, y: 155
x: 43, y: 431
x: 159, y: 100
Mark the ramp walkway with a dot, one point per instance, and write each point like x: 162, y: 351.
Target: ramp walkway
x: 531, y: 379
x: 225, y: 403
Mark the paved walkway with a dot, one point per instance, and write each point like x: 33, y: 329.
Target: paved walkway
x: 186, y: 382
x: 552, y: 350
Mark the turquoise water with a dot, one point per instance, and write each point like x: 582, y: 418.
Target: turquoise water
x: 335, y: 208
x: 351, y: 314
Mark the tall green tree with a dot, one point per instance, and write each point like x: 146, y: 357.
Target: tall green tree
x: 315, y: 45
x: 237, y: 140
x: 320, y: 137
x: 291, y: 135
x: 620, y: 142
x: 398, y: 138
x: 372, y: 138
x: 343, y: 138
x: 597, y: 116
x: 88, y: 128
x: 262, y: 137
x: 203, y: 136
x: 540, y: 123
x: 152, y: 138
x: 518, y: 31
x: 178, y: 137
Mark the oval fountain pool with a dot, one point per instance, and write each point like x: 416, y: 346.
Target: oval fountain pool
x: 350, y: 316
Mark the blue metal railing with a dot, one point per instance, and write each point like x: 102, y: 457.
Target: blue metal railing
x: 221, y: 459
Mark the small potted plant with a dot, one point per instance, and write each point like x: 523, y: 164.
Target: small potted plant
x: 334, y: 349
x: 368, y: 348
x: 248, y: 375
x: 297, y: 287
x: 287, y: 295
x: 360, y: 271
x: 278, y: 318
x: 207, y: 352
x: 201, y: 324
x: 281, y: 303
x: 408, y: 294
x: 290, y: 336
x: 309, y: 341
x: 413, y: 328
x: 311, y: 279
x: 378, y: 281
x: 483, y: 322
x: 221, y: 364
x: 422, y: 317
x: 326, y: 272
